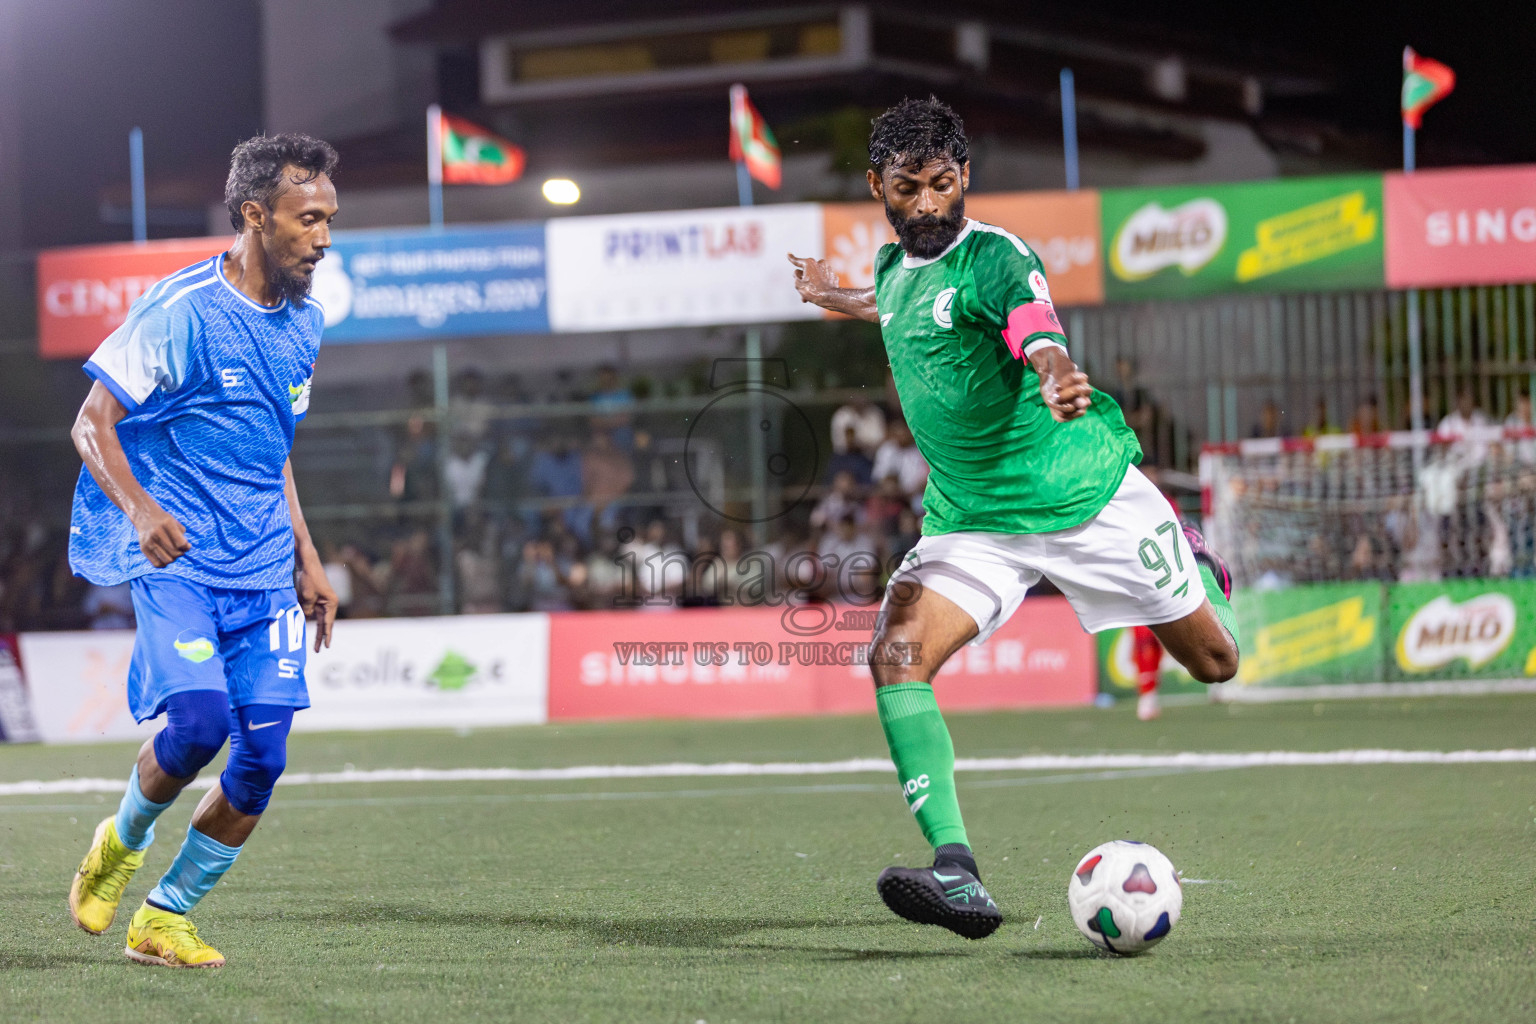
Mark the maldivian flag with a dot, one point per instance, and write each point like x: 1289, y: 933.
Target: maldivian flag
x: 1425, y: 83
x: 752, y: 141
x: 468, y: 154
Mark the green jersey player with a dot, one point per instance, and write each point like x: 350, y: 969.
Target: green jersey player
x: 1033, y: 475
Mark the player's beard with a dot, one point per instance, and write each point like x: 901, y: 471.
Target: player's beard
x: 288, y: 283
x: 927, y: 237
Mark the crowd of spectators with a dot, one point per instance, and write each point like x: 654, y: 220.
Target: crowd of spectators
x: 580, y: 511
x: 1464, y: 506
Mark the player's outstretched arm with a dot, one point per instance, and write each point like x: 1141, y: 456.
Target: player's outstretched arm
x: 1064, y: 387
x: 161, y: 537
x: 816, y: 282
x: 309, y: 579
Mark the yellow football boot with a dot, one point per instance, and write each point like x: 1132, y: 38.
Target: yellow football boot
x: 101, y: 878
x: 164, y: 939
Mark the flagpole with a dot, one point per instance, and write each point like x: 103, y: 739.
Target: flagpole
x: 1069, y: 125
x: 1415, y: 328
x: 136, y: 179
x: 743, y: 184
x: 756, y: 462
x: 435, y: 165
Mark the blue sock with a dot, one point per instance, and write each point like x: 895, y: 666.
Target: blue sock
x: 136, y: 815
x: 199, y: 865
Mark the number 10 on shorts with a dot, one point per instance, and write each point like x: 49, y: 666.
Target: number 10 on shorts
x: 295, y: 618
x: 1154, y: 560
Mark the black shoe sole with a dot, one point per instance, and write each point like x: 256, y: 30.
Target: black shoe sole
x: 908, y: 895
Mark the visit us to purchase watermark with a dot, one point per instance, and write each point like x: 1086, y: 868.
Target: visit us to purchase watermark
x: 809, y: 586
x: 722, y: 653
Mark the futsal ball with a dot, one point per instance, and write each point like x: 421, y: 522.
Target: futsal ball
x: 1125, y: 896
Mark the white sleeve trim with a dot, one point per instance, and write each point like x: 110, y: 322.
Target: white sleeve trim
x: 1040, y: 343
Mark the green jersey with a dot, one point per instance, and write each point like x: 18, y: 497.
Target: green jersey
x: 958, y: 329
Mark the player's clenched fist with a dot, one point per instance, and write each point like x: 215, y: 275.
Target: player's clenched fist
x: 161, y: 537
x: 1064, y: 387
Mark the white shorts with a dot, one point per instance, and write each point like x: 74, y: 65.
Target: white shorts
x: 1127, y: 566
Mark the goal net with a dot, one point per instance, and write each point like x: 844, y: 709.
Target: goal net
x: 1399, y: 507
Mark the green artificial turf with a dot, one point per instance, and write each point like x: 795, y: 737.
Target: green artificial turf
x: 1384, y: 893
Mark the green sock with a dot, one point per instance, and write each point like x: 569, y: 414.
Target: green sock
x: 925, y: 759
x: 1219, y: 602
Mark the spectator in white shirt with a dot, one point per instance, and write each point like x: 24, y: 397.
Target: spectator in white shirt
x: 867, y: 422
x: 1520, y: 422
x: 1465, y: 421
x: 899, y: 456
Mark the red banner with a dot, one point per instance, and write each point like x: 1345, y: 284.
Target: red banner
x: 83, y: 294
x: 1461, y: 227
x: 750, y: 662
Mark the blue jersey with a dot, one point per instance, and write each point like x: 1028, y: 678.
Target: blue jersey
x: 213, y: 384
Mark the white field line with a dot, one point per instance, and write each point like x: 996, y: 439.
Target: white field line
x: 597, y: 796
x: 853, y: 766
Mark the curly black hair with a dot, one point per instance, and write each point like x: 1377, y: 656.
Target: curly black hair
x: 256, y: 169
x: 915, y: 132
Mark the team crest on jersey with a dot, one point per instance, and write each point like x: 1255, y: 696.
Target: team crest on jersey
x: 1038, y: 287
x: 943, y: 306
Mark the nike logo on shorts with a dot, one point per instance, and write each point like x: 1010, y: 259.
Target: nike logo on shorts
x: 253, y: 726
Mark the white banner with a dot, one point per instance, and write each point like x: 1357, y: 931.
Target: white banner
x: 681, y: 268
x: 78, y: 683
x: 16, y: 725
x: 459, y: 671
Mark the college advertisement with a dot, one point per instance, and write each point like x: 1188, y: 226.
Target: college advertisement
x: 456, y: 671
x: 459, y: 282
x: 1062, y: 228
x: 1299, y: 234
x: 767, y: 661
x: 1461, y: 227
x: 680, y: 268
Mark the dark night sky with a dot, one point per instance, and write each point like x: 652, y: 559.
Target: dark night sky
x: 189, y: 72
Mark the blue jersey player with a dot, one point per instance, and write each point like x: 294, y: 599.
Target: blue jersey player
x: 187, y: 494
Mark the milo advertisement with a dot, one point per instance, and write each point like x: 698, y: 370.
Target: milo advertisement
x: 1304, y: 234
x: 1461, y: 629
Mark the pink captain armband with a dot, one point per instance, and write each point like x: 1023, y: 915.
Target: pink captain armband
x: 1030, y: 318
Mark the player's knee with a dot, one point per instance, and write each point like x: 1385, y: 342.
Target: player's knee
x: 1216, y: 664
x: 888, y: 661
x: 254, y: 768
x: 196, y: 726
x: 248, y: 781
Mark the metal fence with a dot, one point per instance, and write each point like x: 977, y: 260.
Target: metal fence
x: 1187, y: 373
x: 1210, y: 366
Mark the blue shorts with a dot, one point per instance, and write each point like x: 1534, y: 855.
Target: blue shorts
x: 248, y: 644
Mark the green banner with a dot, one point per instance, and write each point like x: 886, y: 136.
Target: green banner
x: 1300, y: 636
x: 1117, y: 667
x: 1302, y: 234
x: 1462, y: 629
